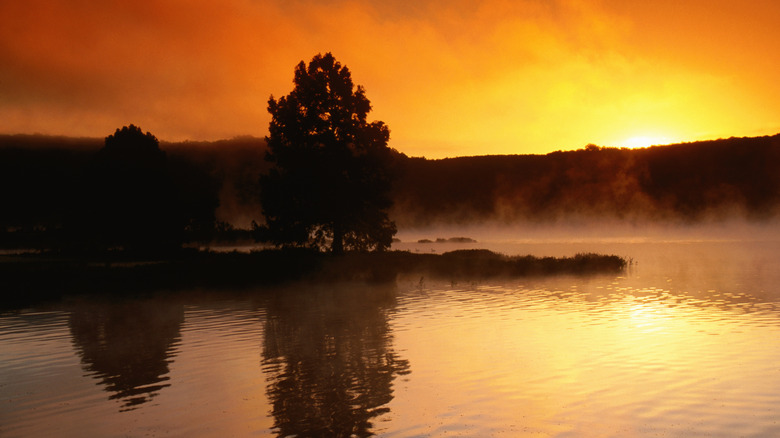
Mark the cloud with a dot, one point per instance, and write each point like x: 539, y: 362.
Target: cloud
x: 449, y: 78
x: 184, y: 67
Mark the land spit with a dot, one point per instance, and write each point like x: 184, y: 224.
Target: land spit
x: 29, y: 275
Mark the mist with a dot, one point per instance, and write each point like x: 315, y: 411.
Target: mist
x: 590, y: 231
x: 715, y: 189
x: 685, y: 183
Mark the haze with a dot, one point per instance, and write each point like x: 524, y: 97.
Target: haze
x: 449, y: 78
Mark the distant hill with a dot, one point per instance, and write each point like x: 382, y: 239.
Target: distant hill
x: 707, y: 180
x: 691, y: 182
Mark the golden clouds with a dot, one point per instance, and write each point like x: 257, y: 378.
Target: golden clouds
x: 449, y: 78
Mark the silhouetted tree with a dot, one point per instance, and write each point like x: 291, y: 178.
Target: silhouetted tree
x: 330, y: 178
x: 130, y: 201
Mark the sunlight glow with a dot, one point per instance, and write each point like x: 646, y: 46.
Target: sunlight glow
x: 643, y: 141
x: 499, y: 76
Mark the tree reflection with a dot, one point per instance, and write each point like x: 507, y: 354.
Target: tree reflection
x: 127, y: 345
x: 329, y: 354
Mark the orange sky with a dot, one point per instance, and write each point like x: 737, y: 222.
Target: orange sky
x: 449, y: 77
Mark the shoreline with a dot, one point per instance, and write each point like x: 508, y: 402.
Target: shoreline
x: 27, y: 276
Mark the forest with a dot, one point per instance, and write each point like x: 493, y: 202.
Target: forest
x: 40, y: 177
x: 736, y: 178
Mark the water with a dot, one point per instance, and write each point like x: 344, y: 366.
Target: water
x: 685, y: 343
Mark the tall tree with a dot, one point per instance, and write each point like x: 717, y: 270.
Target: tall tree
x: 330, y: 180
x: 129, y: 200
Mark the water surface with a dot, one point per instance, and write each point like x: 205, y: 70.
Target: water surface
x: 685, y: 343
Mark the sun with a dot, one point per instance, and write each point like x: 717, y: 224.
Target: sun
x: 643, y: 141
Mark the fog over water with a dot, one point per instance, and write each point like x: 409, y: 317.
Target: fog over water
x: 598, y: 230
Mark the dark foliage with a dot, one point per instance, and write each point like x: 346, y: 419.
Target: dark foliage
x: 330, y: 180
x: 693, y: 182
x: 231, y: 167
x: 712, y: 180
x: 58, y: 192
x: 128, y: 198
x: 38, y: 182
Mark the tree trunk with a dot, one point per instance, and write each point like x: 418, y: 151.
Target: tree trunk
x: 338, y: 240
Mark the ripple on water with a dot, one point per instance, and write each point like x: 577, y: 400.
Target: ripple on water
x: 639, y: 359
x: 563, y: 356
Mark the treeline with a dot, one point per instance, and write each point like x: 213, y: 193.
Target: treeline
x: 41, y: 178
x: 690, y: 182
x: 738, y: 177
x: 81, y: 193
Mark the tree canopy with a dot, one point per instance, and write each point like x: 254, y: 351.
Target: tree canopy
x: 128, y: 198
x: 330, y: 178
x: 132, y: 197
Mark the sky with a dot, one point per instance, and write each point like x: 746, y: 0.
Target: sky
x: 450, y: 78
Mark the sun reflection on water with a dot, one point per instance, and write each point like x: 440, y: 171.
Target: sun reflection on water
x: 685, y: 343
x: 588, y: 360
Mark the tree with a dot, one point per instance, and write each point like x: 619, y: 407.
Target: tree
x: 330, y: 177
x: 132, y: 199
x: 128, y: 199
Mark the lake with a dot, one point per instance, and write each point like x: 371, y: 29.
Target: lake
x: 685, y: 343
